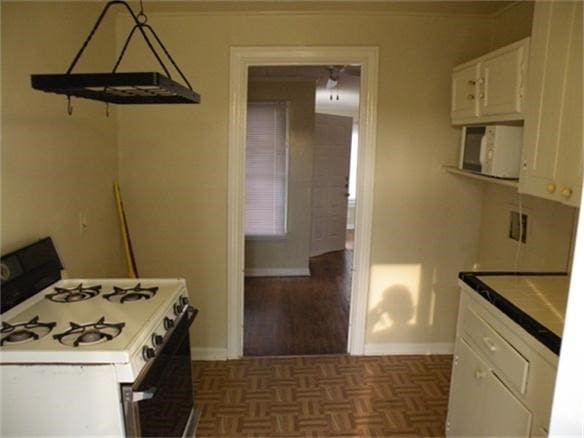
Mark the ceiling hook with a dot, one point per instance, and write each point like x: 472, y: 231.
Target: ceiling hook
x: 69, y: 106
x: 141, y: 17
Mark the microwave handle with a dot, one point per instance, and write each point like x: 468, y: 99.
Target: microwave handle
x: 483, y: 151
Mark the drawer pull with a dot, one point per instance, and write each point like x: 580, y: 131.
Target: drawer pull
x: 490, y: 344
x: 479, y: 374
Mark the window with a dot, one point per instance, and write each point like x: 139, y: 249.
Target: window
x: 266, y: 169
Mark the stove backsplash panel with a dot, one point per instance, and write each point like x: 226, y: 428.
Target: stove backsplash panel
x: 26, y: 271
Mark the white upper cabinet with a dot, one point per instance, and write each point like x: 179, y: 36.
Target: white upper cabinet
x: 491, y: 88
x: 552, y: 146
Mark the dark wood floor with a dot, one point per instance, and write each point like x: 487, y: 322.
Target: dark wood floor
x: 300, y: 315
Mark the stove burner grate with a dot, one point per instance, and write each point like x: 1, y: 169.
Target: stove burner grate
x: 135, y: 293
x: 79, y: 335
x: 25, y: 331
x: 74, y: 294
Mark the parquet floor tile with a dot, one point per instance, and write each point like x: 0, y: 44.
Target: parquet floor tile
x: 324, y: 396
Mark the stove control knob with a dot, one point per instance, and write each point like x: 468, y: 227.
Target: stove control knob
x: 168, y: 323
x: 178, y: 309
x: 157, y: 340
x: 184, y: 301
x: 148, y: 353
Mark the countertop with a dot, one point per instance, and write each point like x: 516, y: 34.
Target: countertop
x: 535, y: 301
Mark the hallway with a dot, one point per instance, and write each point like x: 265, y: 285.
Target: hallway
x: 300, y: 315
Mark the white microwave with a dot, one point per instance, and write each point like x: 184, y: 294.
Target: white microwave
x: 493, y: 150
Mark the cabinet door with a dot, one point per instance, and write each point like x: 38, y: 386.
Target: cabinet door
x: 480, y: 404
x: 465, y: 408
x: 503, y: 413
x: 552, y: 148
x: 464, y: 98
x: 501, y: 82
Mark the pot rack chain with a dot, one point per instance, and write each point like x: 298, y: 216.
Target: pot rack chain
x: 140, y: 24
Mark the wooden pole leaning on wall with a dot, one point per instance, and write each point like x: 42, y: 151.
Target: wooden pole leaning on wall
x: 130, y: 259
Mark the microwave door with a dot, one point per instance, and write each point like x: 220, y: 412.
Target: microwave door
x: 473, y: 148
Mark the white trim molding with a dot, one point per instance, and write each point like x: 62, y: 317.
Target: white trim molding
x: 241, y: 59
x: 408, y: 348
x: 208, y: 353
x: 278, y: 272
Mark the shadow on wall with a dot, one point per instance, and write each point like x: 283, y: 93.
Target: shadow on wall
x: 394, y: 312
x: 403, y: 303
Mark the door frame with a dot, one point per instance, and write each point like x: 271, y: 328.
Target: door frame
x: 241, y: 58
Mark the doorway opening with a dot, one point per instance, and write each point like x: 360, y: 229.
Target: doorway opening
x: 241, y: 60
x: 302, y: 126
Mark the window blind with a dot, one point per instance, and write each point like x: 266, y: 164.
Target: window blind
x: 266, y: 169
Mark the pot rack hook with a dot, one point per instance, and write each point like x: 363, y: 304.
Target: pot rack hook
x: 69, y: 106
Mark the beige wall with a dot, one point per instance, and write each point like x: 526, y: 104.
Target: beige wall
x: 57, y: 167
x: 291, y: 252
x: 173, y: 162
x: 549, y: 233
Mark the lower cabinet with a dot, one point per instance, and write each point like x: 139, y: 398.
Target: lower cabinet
x: 502, y: 378
x: 482, y: 406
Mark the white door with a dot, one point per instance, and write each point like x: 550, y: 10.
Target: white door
x: 330, y: 182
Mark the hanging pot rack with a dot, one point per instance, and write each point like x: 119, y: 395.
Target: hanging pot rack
x: 121, y: 88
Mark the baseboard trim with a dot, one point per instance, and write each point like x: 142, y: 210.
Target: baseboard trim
x: 208, y: 353
x: 278, y: 272
x: 395, y: 348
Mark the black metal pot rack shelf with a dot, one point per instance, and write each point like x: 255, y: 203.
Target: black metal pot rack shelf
x: 117, y: 87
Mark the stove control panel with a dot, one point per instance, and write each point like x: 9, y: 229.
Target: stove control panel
x: 159, y: 334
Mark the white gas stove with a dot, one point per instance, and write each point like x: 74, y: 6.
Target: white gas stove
x: 82, y: 321
x: 111, y: 353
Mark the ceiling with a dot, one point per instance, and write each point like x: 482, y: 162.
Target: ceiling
x: 462, y: 7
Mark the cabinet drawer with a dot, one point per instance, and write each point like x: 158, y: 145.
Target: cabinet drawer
x: 507, y: 362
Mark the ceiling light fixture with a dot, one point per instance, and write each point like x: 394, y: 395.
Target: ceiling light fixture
x: 332, y: 82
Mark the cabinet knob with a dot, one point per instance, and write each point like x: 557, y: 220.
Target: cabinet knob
x: 471, y: 82
x: 470, y: 97
x: 491, y: 346
x: 482, y: 96
x: 551, y: 188
x: 566, y: 192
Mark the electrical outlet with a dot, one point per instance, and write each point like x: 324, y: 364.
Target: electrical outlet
x: 518, y: 227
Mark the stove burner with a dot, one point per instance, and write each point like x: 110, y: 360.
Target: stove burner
x: 135, y: 293
x: 91, y: 337
x: 79, y: 335
x: 75, y: 294
x: 25, y: 331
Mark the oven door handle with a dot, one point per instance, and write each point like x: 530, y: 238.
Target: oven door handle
x: 192, y: 314
x: 147, y: 394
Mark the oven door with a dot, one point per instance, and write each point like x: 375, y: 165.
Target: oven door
x: 160, y: 402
